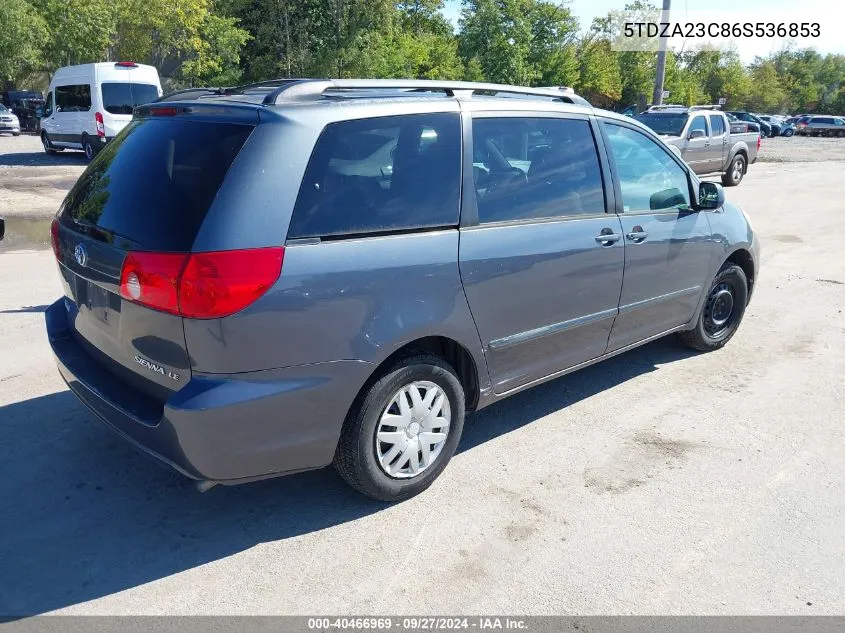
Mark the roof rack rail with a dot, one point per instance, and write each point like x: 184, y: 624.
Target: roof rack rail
x: 298, y: 89
x: 190, y: 93
x: 666, y: 106
x: 706, y: 107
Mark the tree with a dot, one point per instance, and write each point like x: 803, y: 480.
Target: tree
x: 22, y: 38
x: 766, y: 93
x: 599, y: 80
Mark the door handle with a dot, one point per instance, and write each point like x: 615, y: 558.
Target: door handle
x: 707, y: 144
x: 607, y: 237
x: 637, y: 235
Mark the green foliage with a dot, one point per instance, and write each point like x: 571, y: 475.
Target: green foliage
x: 529, y: 42
x: 22, y: 39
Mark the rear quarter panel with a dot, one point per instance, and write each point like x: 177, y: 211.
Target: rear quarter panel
x: 351, y: 299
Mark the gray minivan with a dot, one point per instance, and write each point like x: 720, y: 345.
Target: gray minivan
x: 312, y: 272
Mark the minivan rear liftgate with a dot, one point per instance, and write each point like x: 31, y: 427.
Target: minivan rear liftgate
x: 123, y: 238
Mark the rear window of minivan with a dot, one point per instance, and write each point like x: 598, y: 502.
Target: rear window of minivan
x: 155, y: 182
x: 121, y: 98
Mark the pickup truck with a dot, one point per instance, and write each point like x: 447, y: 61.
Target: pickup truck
x: 705, y: 139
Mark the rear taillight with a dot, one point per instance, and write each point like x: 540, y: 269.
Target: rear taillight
x: 101, y: 127
x: 54, y: 238
x: 152, y: 279
x: 759, y: 141
x: 200, y: 285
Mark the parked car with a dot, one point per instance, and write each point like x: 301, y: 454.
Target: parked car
x: 775, y: 124
x: 271, y: 281
x: 27, y: 105
x: 703, y: 137
x: 9, y: 121
x: 765, y: 128
x: 87, y: 105
x: 747, y: 126
x: 821, y: 126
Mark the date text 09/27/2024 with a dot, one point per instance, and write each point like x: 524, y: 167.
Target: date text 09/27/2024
x: 721, y: 29
x: 422, y: 623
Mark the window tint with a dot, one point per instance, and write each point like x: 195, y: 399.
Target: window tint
x: 718, y: 125
x: 48, y: 107
x: 698, y: 123
x: 155, y: 182
x: 121, y: 98
x: 823, y: 119
x: 526, y: 168
x: 75, y: 98
x: 648, y: 176
x: 381, y: 174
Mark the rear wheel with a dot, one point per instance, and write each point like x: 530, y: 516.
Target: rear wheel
x: 48, y: 146
x: 722, y: 311
x: 841, y: 133
x: 87, y: 147
x: 399, y: 436
x: 735, y: 172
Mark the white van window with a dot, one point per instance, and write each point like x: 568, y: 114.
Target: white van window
x: 121, y: 98
x: 75, y: 98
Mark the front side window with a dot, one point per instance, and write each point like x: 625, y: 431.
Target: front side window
x: 530, y: 168
x: 381, y: 174
x: 698, y: 123
x: 75, y: 98
x: 48, y: 107
x: 649, y: 177
x: 718, y: 125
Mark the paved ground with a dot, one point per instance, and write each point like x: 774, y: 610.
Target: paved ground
x: 661, y: 481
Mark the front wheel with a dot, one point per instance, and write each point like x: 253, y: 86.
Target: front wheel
x: 735, y: 172
x: 788, y: 133
x: 48, y: 146
x: 401, y: 433
x: 722, y: 311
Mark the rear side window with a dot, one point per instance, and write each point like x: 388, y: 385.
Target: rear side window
x: 718, y: 125
x: 76, y: 98
x: 381, y: 174
x: 526, y: 168
x: 121, y: 98
x: 154, y: 183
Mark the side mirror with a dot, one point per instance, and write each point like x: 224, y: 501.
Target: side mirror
x: 696, y: 134
x: 710, y: 195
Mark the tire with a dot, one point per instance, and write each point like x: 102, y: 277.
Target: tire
x: 88, y: 148
x: 16, y: 133
x: 359, y: 457
x: 840, y: 133
x: 48, y: 146
x: 735, y: 172
x: 711, y: 333
x: 788, y: 133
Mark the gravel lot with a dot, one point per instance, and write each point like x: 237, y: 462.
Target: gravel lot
x: 661, y: 481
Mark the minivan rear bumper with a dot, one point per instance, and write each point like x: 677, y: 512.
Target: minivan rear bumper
x: 221, y: 428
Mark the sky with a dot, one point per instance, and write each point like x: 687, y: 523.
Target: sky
x: 830, y: 14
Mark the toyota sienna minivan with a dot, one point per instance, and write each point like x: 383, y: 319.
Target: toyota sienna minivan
x: 277, y: 278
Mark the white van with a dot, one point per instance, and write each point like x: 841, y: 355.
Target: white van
x: 87, y: 105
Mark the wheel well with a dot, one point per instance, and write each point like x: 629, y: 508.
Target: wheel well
x: 449, y: 350
x: 742, y: 258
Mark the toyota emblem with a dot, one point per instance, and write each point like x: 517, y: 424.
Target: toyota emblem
x: 80, y: 255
